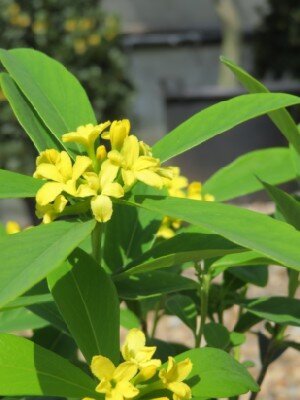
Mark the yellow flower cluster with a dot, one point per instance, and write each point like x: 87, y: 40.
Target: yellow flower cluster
x: 179, y: 186
x: 12, y: 227
x: 131, y: 378
x: 98, y: 176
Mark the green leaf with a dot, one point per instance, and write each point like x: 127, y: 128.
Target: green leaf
x: 181, y: 248
x: 244, y: 227
x: 25, y: 301
x: 14, y: 185
x: 20, y: 320
x: 216, y: 374
x: 56, y: 341
x: 237, y: 339
x: 40, y: 250
x: 254, y: 274
x: 88, y: 301
x: 281, y: 118
x: 246, y: 321
x: 165, y: 349
x: 216, y: 335
x: 239, y: 178
x: 282, y: 310
x: 246, y: 258
x: 184, y: 308
x: 50, y: 313
x: 27, y: 369
x: 54, y: 92
x: 217, y: 119
x: 27, y: 117
x: 153, y: 284
x: 128, y: 319
x: 288, y: 207
x: 130, y: 232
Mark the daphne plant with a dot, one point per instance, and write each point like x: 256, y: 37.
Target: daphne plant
x: 118, y: 230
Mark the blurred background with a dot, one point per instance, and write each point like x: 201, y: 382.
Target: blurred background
x: 157, y: 63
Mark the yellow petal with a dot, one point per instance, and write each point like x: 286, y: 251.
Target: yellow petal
x: 60, y: 204
x: 12, y: 227
x: 119, y: 130
x: 177, y: 372
x: 104, y: 386
x: 85, y: 190
x: 144, y: 162
x: 145, y: 374
x: 128, y: 178
x: 101, y: 153
x: 108, y: 173
x: 65, y: 165
x: 48, y: 192
x: 181, y: 390
x: 48, y: 171
x: 134, y: 342
x: 49, y: 156
x: 80, y: 166
x: 115, y: 157
x: 102, y: 367
x: 113, y: 189
x: 209, y: 197
x: 130, y: 150
x: 126, y: 389
x: 125, y: 372
x: 102, y: 208
x: 150, y: 178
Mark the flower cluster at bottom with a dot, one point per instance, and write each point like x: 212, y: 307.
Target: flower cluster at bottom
x: 137, y: 376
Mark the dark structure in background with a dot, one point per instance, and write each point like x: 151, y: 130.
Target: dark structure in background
x: 277, y: 42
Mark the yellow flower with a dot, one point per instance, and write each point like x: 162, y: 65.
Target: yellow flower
x: 194, y: 191
x: 85, y: 134
x: 178, y: 184
x: 101, y: 186
x: 94, y: 39
x: 135, y: 351
x: 50, y: 212
x: 12, y: 227
x: 62, y: 176
x: 118, y: 132
x: 173, y: 376
x: 135, y: 167
x: 168, y: 227
x: 114, y: 381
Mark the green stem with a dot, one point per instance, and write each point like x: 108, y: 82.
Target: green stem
x: 96, y: 242
x: 204, y: 286
x: 156, y: 317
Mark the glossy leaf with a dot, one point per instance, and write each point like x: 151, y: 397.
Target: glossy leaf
x: 87, y: 299
x: 184, y: 308
x: 217, y: 119
x: 27, y: 369
x: 282, y: 310
x: 40, y: 250
x: 239, y: 178
x: 216, y: 335
x: 281, y: 118
x: 216, y: 374
x: 254, y: 274
x: 13, y: 185
x: 54, y: 92
x: 20, y: 320
x: 25, y: 301
x: 152, y: 284
x: 27, y: 117
x: 244, y: 227
x: 288, y: 207
x: 181, y: 248
x: 128, y: 319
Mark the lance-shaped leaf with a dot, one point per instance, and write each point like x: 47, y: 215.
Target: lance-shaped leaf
x: 56, y: 95
x: 88, y: 302
x: 19, y: 320
x: 216, y: 374
x: 281, y: 310
x: 247, y: 228
x: 239, y: 178
x: 181, y: 248
x: 40, y: 250
x: 281, y: 118
x: 27, y: 369
x: 184, y: 308
x: 14, y: 185
x: 27, y: 117
x: 217, y: 119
